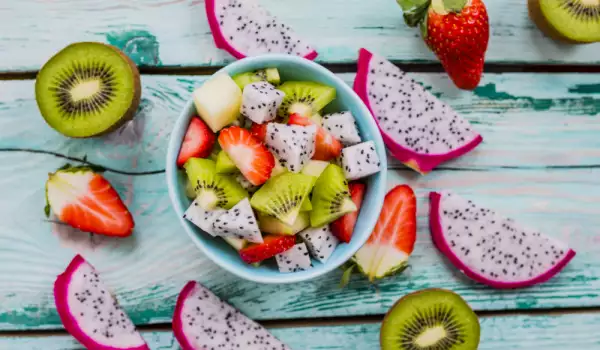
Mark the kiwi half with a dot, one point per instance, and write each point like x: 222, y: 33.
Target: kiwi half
x: 431, y: 319
x: 88, y: 89
x: 270, y: 75
x: 304, y: 97
x: 331, y: 197
x: 573, y: 21
x: 213, y: 190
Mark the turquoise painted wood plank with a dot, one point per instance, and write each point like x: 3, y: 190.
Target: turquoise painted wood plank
x: 517, y: 332
x: 176, y: 33
x: 147, y: 270
x: 527, y: 120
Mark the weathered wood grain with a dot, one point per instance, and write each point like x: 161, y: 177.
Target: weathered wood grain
x: 517, y: 332
x: 176, y: 33
x: 527, y: 120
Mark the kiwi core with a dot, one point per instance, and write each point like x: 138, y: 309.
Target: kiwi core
x: 430, y: 336
x: 85, y: 90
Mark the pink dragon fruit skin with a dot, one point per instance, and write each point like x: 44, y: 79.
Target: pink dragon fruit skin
x: 223, y: 43
x: 422, y: 163
x: 61, y: 299
x: 444, y: 246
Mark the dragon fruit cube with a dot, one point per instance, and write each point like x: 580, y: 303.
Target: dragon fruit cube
x: 360, y: 160
x: 292, y: 145
x: 239, y: 222
x: 260, y: 102
x: 203, y: 218
x: 320, y: 242
x: 343, y: 127
x: 294, y: 259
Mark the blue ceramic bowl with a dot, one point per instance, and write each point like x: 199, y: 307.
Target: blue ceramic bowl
x: 290, y: 68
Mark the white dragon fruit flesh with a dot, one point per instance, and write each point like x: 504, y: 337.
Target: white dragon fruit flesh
x: 419, y: 130
x: 360, y: 160
x: 260, y: 102
x: 239, y: 222
x: 247, y: 185
x: 203, y: 321
x: 90, y: 313
x: 343, y: 127
x: 320, y: 242
x: 490, y: 248
x: 202, y: 218
x: 292, y: 145
x: 244, y: 28
x: 294, y: 259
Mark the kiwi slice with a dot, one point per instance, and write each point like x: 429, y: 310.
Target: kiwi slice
x: 213, y: 190
x: 575, y: 21
x: 268, y: 74
x: 88, y: 89
x: 306, y: 204
x: 304, y: 97
x: 430, y: 319
x: 270, y: 224
x: 330, y: 197
x: 224, y: 164
x: 281, y: 196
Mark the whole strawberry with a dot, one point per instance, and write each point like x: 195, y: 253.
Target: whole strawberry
x: 457, y: 31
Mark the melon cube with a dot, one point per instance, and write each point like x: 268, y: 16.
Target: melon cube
x: 218, y: 101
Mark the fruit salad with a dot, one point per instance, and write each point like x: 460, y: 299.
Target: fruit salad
x: 270, y: 173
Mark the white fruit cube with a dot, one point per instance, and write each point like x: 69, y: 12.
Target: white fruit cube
x: 343, y: 127
x: 294, y: 259
x: 360, y: 160
x: 203, y: 218
x: 218, y: 101
x: 320, y: 242
x: 292, y: 145
x: 260, y: 102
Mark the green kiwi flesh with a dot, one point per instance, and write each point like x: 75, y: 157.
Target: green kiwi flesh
x: 571, y: 20
x: 213, y: 190
x: 431, y: 319
x: 88, y: 89
x: 304, y: 97
x: 270, y: 224
x: 330, y: 197
x: 224, y: 164
x: 282, y: 196
x: 270, y: 75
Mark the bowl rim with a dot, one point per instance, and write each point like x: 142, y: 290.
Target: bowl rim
x: 171, y: 173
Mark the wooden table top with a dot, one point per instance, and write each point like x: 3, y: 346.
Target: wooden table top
x: 538, y: 107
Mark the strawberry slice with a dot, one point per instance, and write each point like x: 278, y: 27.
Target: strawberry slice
x: 250, y: 155
x: 85, y: 200
x: 393, y: 238
x: 343, y: 227
x: 271, y: 246
x: 198, y: 141
x: 327, y: 147
x: 259, y: 131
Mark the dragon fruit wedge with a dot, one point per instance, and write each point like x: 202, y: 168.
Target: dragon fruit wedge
x: 90, y: 313
x: 239, y: 222
x: 202, y: 218
x: 419, y: 130
x: 343, y: 127
x: 260, y: 102
x: 292, y: 145
x: 360, y: 160
x: 244, y: 28
x: 294, y: 259
x: 492, y: 249
x: 203, y: 321
x: 320, y: 242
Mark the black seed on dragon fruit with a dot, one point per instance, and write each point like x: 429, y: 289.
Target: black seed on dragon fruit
x: 320, y: 242
x: 202, y: 218
x: 292, y: 145
x: 90, y: 313
x: 360, y: 160
x: 294, y: 259
x: 238, y: 222
x: 203, y: 321
x: 343, y: 127
x: 260, y: 102
x: 493, y: 249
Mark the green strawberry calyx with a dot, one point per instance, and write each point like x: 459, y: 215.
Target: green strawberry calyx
x: 415, y: 11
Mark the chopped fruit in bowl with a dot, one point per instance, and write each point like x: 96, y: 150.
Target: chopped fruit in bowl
x: 276, y: 169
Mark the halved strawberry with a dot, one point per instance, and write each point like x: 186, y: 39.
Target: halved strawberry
x: 271, y: 246
x: 250, y: 155
x: 85, y: 200
x: 327, y: 147
x: 259, y: 131
x: 343, y: 227
x: 198, y: 141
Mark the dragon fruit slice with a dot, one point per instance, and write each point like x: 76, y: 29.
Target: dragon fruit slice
x: 292, y: 145
x: 244, y: 28
x: 90, y: 313
x: 239, y: 222
x: 343, y: 127
x: 294, y: 260
x: 490, y: 248
x: 320, y: 242
x: 260, y: 102
x: 419, y: 130
x: 203, y: 321
x: 360, y: 160
x: 202, y: 218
